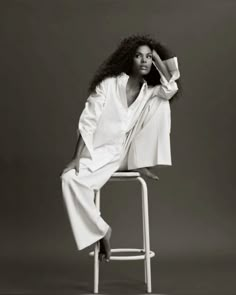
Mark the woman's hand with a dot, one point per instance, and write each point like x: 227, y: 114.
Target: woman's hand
x: 160, y: 65
x: 155, y: 55
x: 74, y: 164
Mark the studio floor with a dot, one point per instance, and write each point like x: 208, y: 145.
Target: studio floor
x: 72, y: 276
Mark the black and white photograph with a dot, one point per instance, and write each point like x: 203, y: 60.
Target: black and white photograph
x: 118, y: 147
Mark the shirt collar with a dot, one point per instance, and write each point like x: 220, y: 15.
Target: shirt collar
x: 126, y: 76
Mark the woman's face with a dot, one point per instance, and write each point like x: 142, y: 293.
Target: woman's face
x: 142, y: 60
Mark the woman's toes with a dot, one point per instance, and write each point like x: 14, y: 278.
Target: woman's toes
x: 101, y: 256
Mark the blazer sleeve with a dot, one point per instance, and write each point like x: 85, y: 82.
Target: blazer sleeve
x: 90, y: 115
x: 167, y: 89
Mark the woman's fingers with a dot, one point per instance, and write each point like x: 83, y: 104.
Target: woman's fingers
x: 155, y: 177
x: 101, y: 256
x: 69, y: 166
x: 77, y: 167
x: 65, y: 170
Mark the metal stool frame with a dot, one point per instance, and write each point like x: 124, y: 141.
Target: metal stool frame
x: 146, y: 252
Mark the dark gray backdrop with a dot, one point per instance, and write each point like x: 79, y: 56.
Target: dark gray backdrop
x: 49, y: 52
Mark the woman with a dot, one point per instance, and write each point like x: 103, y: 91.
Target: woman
x: 125, y: 125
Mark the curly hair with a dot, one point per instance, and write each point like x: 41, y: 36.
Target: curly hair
x: 121, y: 60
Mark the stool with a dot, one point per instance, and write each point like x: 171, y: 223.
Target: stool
x: 146, y: 253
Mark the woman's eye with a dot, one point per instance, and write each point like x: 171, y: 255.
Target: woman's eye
x: 138, y: 55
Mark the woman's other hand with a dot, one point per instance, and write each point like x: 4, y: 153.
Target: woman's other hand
x: 155, y: 55
x: 74, y: 164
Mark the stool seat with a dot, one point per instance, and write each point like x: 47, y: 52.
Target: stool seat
x: 126, y: 174
x: 144, y: 253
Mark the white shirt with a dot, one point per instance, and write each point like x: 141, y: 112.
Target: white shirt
x: 106, y: 118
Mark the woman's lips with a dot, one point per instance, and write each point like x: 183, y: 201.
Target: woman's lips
x: 143, y: 67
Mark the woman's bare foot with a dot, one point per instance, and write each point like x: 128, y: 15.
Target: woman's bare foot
x: 105, y: 247
x: 147, y: 172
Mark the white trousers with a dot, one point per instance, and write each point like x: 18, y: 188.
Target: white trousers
x: 86, y: 221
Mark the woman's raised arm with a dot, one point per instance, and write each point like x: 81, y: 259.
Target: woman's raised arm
x: 169, y: 72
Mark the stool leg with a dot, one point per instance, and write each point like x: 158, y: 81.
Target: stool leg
x: 96, y: 248
x: 144, y: 245
x: 146, y: 232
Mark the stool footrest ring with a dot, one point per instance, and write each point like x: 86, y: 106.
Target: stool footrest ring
x: 132, y: 257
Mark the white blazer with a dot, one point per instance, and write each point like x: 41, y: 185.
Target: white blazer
x: 106, y: 118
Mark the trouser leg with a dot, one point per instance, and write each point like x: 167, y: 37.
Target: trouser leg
x: 78, y: 193
x: 150, y: 143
